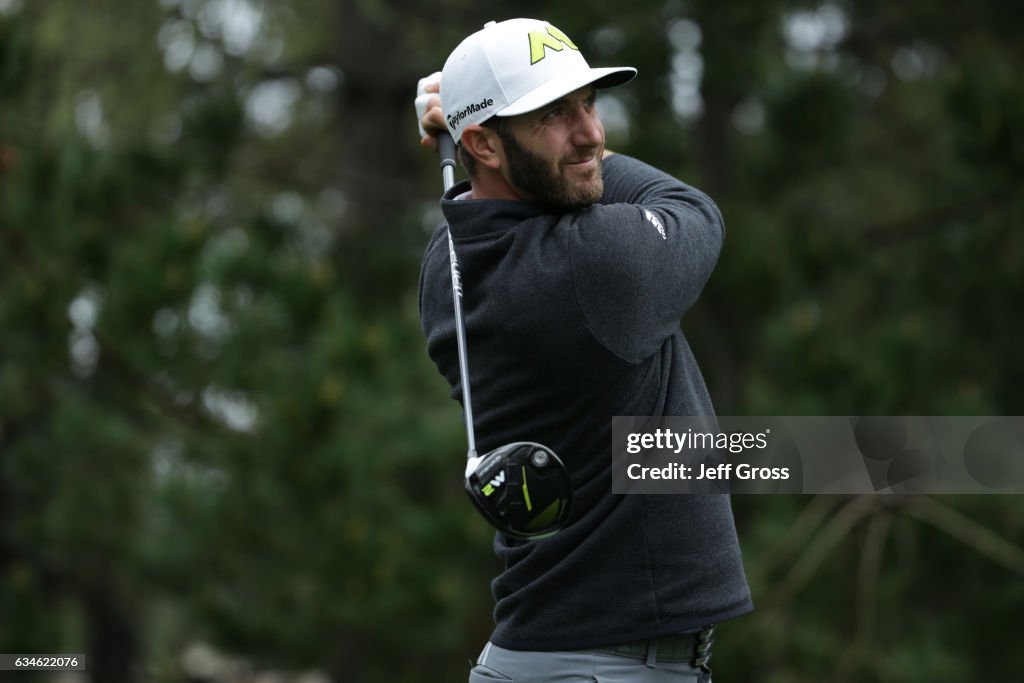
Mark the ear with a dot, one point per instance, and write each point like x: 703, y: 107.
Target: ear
x: 484, y: 144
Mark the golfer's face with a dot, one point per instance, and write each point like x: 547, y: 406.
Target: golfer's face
x: 558, y: 153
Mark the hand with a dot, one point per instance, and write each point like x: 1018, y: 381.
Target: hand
x: 428, y: 110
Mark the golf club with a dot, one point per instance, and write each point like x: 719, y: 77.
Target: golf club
x: 521, y: 488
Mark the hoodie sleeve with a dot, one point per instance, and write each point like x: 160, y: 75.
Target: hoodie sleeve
x: 641, y: 256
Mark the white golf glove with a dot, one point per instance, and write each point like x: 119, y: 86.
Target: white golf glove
x: 422, y: 97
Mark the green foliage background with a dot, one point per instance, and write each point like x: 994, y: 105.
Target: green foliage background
x: 218, y: 424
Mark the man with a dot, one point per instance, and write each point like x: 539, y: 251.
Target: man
x: 577, y: 265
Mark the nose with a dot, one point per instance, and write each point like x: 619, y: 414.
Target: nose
x: 588, y: 130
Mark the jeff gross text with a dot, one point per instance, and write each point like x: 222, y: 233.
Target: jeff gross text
x: 667, y: 440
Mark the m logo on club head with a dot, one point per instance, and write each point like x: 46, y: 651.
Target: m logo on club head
x: 554, y: 39
x: 495, y: 483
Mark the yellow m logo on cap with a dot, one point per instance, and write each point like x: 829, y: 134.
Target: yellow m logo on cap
x: 554, y: 39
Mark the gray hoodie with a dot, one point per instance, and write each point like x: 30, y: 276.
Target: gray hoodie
x: 572, y: 318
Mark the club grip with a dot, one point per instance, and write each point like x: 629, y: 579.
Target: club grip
x: 446, y: 150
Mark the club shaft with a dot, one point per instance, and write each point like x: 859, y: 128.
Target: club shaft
x: 446, y: 147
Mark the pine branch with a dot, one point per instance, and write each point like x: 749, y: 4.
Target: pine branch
x: 972, y: 534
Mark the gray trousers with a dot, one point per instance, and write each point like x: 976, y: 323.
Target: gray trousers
x: 580, y: 666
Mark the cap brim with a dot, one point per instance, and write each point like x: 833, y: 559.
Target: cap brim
x: 606, y: 77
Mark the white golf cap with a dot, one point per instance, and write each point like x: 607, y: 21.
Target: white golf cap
x: 513, y: 67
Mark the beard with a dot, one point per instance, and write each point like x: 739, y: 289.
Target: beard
x: 538, y: 178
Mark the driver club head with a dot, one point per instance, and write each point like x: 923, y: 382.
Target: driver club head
x: 522, y: 489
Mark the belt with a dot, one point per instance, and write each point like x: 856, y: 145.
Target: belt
x: 692, y: 646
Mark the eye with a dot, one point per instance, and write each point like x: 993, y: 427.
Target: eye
x: 552, y: 113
